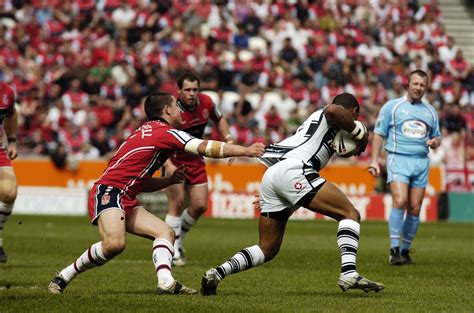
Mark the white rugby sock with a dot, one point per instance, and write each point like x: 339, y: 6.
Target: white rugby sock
x: 175, y: 223
x: 348, y: 242
x: 241, y: 261
x: 92, y: 257
x: 162, y: 256
x: 186, y: 224
x: 5, y: 212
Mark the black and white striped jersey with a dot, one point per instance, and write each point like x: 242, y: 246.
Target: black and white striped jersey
x: 311, y: 143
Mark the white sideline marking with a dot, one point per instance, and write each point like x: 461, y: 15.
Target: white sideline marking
x: 19, y: 287
x: 132, y: 261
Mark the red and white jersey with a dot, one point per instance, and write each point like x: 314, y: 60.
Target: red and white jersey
x: 141, y: 155
x: 195, y: 121
x: 7, y: 102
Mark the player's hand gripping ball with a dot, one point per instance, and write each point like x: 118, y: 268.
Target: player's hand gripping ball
x: 344, y: 144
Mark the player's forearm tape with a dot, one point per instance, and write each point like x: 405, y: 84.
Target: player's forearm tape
x: 359, y: 131
x: 192, y: 146
x: 215, y: 149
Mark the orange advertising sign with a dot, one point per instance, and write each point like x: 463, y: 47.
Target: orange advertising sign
x: 239, y: 177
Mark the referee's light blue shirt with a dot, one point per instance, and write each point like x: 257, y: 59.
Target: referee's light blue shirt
x: 407, y: 127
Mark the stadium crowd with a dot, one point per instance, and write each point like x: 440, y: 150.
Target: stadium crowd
x: 81, y: 69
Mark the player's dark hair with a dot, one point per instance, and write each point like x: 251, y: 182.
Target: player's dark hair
x: 419, y: 73
x: 155, y: 103
x: 346, y: 100
x: 189, y: 76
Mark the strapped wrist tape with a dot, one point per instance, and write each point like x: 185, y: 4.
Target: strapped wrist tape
x: 215, y: 149
x: 359, y: 131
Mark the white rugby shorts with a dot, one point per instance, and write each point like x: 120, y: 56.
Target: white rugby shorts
x: 289, y: 183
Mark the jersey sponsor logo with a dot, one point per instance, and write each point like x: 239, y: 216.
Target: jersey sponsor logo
x: 5, y: 99
x: 205, y: 113
x: 414, y: 129
x: 105, y: 199
x: 298, y: 185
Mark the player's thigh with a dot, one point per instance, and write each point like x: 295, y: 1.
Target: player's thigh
x: 111, y: 225
x: 176, y: 195
x: 399, y: 191
x: 399, y: 169
x: 144, y: 224
x: 198, y: 195
x: 8, y: 184
x: 420, y: 173
x: 288, y: 184
x: 331, y: 201
x: 416, y: 199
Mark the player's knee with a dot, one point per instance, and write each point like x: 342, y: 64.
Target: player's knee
x: 167, y: 233
x: 113, y: 246
x: 9, y: 196
x: 399, y: 202
x: 415, y: 211
x: 352, y: 214
x: 349, y: 214
x: 199, y: 210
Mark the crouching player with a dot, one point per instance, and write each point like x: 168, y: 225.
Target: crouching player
x: 113, y: 205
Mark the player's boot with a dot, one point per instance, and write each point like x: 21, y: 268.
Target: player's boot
x: 395, y: 257
x: 358, y: 282
x: 175, y: 289
x: 57, y: 285
x: 179, y: 259
x: 209, y: 282
x: 406, y: 257
x: 3, y: 256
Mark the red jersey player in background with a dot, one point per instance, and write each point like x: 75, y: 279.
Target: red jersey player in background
x: 197, y: 109
x: 113, y: 204
x: 8, y: 186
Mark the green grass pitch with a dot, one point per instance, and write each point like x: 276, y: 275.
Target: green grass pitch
x: 303, y: 277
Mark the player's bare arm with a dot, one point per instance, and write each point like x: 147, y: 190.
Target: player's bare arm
x: 223, y: 128
x: 11, y: 127
x: 344, y: 119
x: 377, y: 143
x: 218, y: 149
x: 256, y: 202
x: 158, y: 183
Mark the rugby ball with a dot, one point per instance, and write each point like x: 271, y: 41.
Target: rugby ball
x: 344, y: 144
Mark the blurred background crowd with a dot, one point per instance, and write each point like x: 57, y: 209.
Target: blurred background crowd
x: 81, y: 69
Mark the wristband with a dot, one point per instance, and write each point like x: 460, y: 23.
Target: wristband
x: 228, y: 138
x: 11, y: 139
x: 359, y: 131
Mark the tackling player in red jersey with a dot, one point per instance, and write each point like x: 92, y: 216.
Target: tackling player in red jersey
x: 196, y: 110
x: 113, y: 205
x: 8, y: 185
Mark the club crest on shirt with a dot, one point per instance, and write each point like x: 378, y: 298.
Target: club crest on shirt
x: 105, y: 199
x: 298, y: 185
